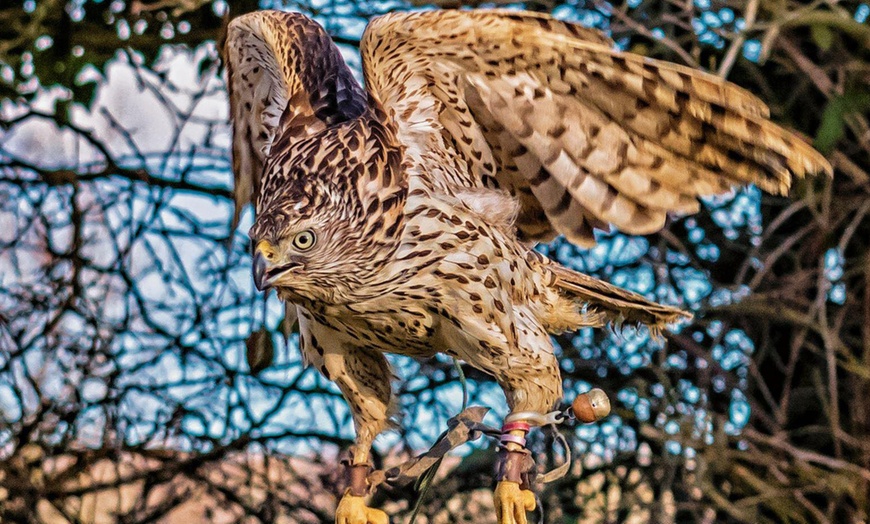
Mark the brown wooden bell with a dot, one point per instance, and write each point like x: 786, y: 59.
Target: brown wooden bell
x: 591, y: 406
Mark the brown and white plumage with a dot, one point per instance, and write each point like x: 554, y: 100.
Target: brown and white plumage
x: 622, y: 139
x: 399, y: 218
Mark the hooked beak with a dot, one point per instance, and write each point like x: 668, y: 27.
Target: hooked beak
x: 261, y: 267
x: 265, y: 273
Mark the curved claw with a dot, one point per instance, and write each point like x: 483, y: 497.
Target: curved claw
x: 512, y: 503
x: 353, y: 510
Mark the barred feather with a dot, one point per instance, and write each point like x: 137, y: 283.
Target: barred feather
x: 584, y: 135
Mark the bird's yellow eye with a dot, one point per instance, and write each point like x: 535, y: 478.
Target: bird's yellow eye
x: 304, y: 240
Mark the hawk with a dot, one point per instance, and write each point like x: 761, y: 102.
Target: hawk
x: 401, y: 217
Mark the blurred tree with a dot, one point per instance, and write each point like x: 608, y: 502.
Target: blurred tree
x: 125, y: 320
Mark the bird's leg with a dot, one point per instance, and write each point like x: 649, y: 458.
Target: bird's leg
x: 532, y: 386
x: 515, y: 469
x: 363, y: 376
x: 352, y: 508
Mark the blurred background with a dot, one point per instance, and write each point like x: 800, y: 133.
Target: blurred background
x: 143, y: 378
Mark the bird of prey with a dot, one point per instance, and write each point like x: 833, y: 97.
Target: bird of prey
x: 401, y: 217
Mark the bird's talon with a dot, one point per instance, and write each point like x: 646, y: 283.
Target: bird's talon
x: 512, y: 503
x: 353, y: 510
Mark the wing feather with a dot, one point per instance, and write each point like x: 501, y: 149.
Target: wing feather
x: 583, y: 135
x: 286, y: 81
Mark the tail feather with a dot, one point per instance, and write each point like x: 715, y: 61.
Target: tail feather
x: 614, y: 304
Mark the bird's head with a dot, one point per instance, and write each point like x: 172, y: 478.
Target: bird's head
x: 321, y: 232
x: 289, y: 251
x: 306, y: 245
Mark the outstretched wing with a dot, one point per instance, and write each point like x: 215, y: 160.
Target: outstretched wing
x: 286, y: 81
x: 583, y: 135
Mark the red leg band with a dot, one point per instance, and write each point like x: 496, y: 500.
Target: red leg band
x: 514, y: 426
